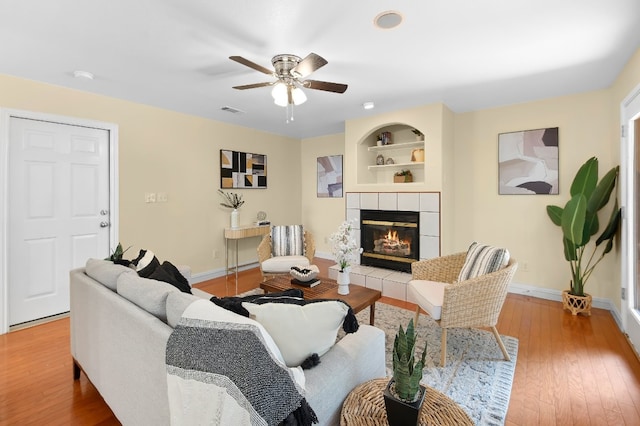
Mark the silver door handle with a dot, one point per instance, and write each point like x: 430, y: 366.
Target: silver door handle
x: 104, y: 212
x: 104, y: 224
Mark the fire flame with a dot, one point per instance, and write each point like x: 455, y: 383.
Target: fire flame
x: 392, y: 235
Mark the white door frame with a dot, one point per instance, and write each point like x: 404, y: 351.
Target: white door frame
x: 628, y: 249
x: 5, y: 122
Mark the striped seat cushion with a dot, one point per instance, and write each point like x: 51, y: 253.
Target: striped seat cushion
x: 287, y: 240
x: 483, y: 259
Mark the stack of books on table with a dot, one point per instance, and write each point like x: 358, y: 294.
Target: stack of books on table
x: 311, y: 283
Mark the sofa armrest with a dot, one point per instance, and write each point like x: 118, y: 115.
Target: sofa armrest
x: 354, y: 359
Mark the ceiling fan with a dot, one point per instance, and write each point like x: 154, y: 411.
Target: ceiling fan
x: 289, y: 72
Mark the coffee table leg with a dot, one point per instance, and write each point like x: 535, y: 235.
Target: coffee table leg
x: 372, y: 313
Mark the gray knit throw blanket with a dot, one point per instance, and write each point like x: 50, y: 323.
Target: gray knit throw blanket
x: 224, y: 369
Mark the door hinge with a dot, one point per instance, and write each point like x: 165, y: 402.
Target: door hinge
x: 623, y: 130
x: 623, y: 293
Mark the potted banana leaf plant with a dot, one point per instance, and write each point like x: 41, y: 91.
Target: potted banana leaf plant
x: 404, y: 395
x: 579, y: 223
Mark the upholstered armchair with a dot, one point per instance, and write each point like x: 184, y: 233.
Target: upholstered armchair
x: 473, y: 302
x: 276, y: 260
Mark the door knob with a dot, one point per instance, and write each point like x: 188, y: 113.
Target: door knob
x: 104, y: 224
x: 104, y: 212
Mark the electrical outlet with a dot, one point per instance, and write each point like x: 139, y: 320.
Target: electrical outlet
x: 525, y: 267
x: 162, y: 197
x: 150, y: 197
x: 215, y: 254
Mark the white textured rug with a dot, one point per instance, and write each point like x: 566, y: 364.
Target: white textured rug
x: 476, y: 375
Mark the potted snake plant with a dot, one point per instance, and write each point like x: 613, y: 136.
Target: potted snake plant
x: 579, y: 223
x: 404, y: 395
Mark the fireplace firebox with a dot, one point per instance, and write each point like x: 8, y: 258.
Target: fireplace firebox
x: 389, y: 239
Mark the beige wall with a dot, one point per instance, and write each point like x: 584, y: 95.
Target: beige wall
x: 321, y: 216
x: 164, y: 151
x: 473, y: 210
x: 520, y: 222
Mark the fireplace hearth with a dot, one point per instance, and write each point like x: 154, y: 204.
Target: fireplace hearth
x: 389, y: 239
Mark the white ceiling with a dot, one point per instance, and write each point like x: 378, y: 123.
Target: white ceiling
x: 468, y: 54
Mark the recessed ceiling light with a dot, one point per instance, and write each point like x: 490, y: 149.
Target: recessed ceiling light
x: 368, y: 105
x: 388, y: 19
x: 85, y: 75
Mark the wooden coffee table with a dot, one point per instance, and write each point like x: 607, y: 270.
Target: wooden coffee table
x: 358, y: 298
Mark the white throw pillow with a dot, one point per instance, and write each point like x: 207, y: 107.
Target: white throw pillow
x: 483, y: 259
x: 300, y: 331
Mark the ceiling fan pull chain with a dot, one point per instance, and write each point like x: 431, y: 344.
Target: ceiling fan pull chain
x: 289, y: 110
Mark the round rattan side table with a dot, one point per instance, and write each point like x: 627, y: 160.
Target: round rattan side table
x: 365, y: 406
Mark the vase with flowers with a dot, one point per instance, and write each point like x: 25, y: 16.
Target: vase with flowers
x: 345, y: 250
x: 233, y: 201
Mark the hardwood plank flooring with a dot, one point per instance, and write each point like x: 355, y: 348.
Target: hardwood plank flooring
x: 570, y: 370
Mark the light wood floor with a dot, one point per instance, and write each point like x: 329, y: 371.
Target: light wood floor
x: 570, y: 370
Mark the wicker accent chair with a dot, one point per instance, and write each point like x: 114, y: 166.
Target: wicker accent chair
x: 476, y: 302
x: 265, y: 252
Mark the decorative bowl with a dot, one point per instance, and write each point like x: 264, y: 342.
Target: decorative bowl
x: 304, y: 273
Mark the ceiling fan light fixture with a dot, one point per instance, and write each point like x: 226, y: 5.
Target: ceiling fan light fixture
x: 279, y: 93
x: 298, y: 96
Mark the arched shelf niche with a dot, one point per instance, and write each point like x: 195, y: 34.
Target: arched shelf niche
x: 404, y: 147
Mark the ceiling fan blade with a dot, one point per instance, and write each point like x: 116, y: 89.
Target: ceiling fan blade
x: 325, y: 85
x: 248, y: 63
x: 308, y: 65
x: 254, y: 85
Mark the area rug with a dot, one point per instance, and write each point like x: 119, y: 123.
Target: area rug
x: 476, y: 375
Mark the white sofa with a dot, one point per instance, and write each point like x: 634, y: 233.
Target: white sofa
x: 119, y: 333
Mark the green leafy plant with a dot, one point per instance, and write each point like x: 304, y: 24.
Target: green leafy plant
x: 406, y: 372
x: 117, y: 253
x: 231, y: 199
x: 579, y: 222
x: 403, y: 173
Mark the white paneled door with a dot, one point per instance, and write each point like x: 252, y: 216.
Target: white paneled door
x: 58, y: 212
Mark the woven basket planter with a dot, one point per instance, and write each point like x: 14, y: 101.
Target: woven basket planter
x: 577, y: 304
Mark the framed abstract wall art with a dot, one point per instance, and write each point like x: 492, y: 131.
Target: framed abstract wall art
x: 330, y: 176
x: 528, y: 162
x: 242, y: 170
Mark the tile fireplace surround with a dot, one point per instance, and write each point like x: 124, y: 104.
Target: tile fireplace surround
x: 393, y: 283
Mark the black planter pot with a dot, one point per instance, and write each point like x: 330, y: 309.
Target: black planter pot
x: 400, y: 413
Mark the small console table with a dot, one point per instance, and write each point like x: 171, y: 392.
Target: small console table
x: 239, y: 233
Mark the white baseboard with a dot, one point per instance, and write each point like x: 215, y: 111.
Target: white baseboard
x: 217, y: 273
x: 552, y: 294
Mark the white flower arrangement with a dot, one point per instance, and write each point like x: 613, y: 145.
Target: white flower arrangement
x: 345, y: 250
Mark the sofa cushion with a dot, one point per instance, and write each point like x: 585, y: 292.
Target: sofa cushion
x: 150, y: 295
x: 300, y: 331
x: 483, y: 259
x: 106, y: 272
x: 177, y: 302
x: 429, y: 295
x: 283, y: 264
x: 287, y: 240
